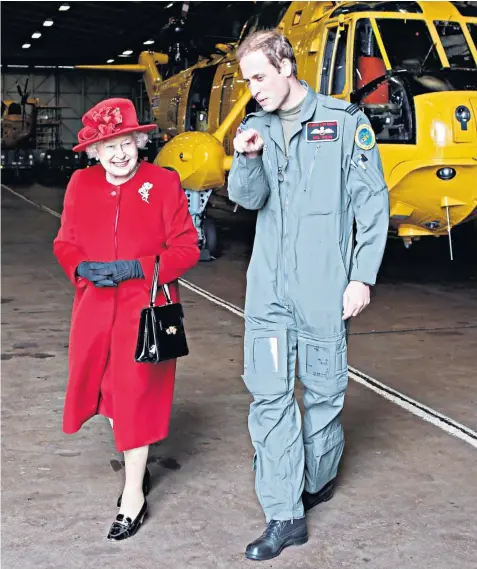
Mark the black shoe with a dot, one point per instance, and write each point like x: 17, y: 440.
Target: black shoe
x: 279, y: 534
x: 146, y: 486
x: 124, y: 527
x: 325, y: 494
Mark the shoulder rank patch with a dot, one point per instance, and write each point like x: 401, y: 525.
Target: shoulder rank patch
x: 323, y: 131
x: 365, y: 137
x: 352, y: 109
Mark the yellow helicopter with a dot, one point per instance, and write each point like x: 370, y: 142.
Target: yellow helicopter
x: 410, y: 66
x: 18, y: 123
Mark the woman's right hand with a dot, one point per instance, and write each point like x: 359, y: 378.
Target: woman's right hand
x: 96, y: 273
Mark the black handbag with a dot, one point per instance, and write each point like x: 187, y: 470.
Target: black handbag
x: 161, y: 328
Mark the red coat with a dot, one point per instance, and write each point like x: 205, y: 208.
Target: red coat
x: 102, y: 222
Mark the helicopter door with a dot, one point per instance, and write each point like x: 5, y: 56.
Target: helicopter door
x: 334, y: 66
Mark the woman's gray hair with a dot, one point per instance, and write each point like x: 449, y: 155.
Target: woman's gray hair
x: 141, y: 140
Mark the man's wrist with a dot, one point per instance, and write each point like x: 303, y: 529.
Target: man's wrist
x: 361, y: 282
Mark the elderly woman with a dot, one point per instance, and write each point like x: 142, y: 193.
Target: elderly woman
x: 118, y: 217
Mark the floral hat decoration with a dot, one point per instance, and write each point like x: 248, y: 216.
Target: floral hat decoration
x: 109, y: 119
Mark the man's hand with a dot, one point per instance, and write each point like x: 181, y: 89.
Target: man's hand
x: 249, y: 142
x: 356, y: 298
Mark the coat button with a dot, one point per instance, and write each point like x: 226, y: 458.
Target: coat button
x: 113, y: 193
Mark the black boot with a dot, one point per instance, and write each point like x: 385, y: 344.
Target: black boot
x: 323, y: 495
x: 146, y: 485
x: 279, y: 534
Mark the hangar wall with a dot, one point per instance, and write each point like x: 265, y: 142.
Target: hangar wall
x: 75, y: 90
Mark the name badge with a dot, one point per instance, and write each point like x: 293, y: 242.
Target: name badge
x: 323, y: 131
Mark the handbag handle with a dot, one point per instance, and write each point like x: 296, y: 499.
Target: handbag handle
x: 155, y: 281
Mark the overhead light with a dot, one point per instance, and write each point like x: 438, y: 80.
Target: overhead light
x: 26, y: 45
x: 148, y: 42
x: 66, y: 66
x: 48, y: 23
x: 64, y: 7
x: 110, y: 61
x: 170, y: 5
x: 36, y: 35
x: 18, y: 66
x: 127, y: 52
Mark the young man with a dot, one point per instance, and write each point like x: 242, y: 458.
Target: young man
x: 310, y: 164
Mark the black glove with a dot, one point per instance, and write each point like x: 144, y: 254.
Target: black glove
x: 97, y: 273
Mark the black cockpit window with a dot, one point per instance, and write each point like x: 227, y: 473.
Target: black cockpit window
x: 408, y: 44
x: 381, y: 97
x: 473, y: 32
x: 455, y: 44
x: 466, y: 9
x: 401, y: 7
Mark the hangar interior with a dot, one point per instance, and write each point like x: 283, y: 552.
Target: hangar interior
x: 406, y: 496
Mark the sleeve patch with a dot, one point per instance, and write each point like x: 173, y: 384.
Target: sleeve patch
x: 365, y: 137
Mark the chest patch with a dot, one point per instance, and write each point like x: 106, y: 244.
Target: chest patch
x: 323, y: 131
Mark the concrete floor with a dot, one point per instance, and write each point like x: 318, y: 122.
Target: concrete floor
x: 407, y: 493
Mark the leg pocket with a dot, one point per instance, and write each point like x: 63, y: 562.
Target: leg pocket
x: 265, y: 361
x: 323, y: 362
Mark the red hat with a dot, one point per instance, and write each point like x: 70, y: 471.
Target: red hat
x: 109, y: 119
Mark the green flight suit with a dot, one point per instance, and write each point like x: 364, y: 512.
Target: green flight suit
x: 303, y: 258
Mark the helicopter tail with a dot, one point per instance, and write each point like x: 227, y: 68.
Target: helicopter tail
x: 148, y: 65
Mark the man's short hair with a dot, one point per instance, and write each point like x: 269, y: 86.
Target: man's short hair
x: 274, y: 45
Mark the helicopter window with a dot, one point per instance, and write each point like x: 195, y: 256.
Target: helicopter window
x: 368, y: 63
x: 466, y: 9
x: 297, y: 18
x: 382, y: 98
x: 198, y: 102
x: 473, y: 32
x: 403, y: 7
x: 339, y: 70
x: 393, y: 120
x: 226, y: 97
x: 172, y: 110
x: 455, y: 45
x: 408, y: 44
x: 327, y: 57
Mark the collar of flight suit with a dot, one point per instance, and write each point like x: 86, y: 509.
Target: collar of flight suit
x: 307, y: 111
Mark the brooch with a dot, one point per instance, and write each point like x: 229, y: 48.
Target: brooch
x: 144, y: 191
x: 171, y: 330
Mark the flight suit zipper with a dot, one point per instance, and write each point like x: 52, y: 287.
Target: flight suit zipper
x: 310, y: 171
x: 285, y: 241
x: 265, y: 148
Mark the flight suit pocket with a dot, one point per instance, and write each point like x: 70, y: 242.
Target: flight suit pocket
x: 322, y: 363
x: 368, y: 172
x: 265, y: 361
